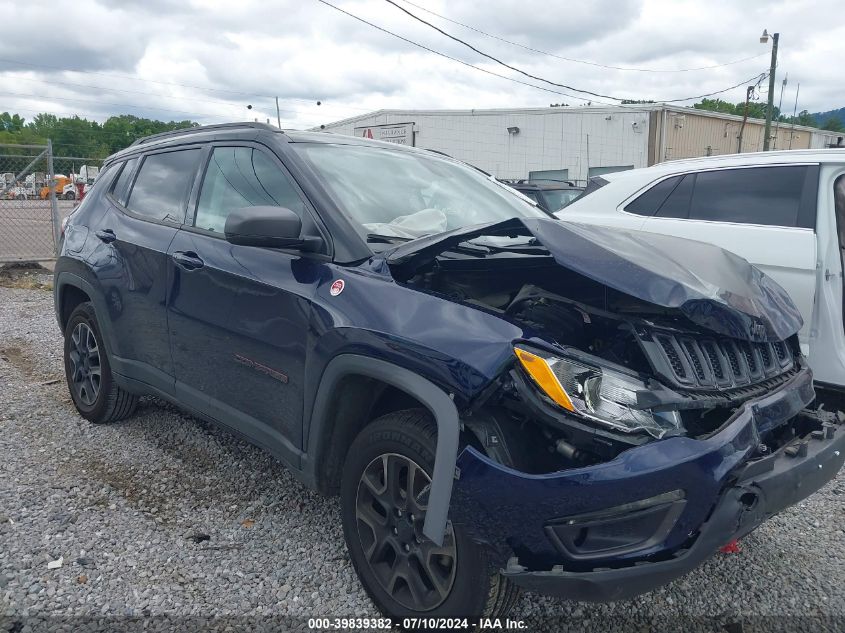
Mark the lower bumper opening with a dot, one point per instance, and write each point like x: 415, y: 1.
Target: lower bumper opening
x: 616, y: 531
x: 763, y: 488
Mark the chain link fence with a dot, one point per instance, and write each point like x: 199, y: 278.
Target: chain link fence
x: 37, y: 190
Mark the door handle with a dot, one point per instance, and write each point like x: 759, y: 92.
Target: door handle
x: 106, y: 235
x: 188, y: 260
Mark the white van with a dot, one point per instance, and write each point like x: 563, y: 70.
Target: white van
x: 783, y: 211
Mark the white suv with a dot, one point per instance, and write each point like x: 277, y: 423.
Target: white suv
x: 782, y: 211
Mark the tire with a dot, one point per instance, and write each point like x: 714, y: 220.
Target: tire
x: 88, y: 373
x: 70, y: 196
x: 469, y: 585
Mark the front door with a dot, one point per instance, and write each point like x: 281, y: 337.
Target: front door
x: 239, y: 315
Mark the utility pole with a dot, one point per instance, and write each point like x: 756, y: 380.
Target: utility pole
x: 780, y: 103
x: 794, y: 110
x: 772, y: 68
x: 748, y: 92
x: 278, y: 114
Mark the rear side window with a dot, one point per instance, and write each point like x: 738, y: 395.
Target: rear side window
x: 764, y: 195
x: 773, y: 196
x: 121, y: 185
x: 677, y: 202
x: 240, y: 177
x: 162, y: 186
x: 650, y: 201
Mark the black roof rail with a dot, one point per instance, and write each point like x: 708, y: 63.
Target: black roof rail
x: 204, y: 128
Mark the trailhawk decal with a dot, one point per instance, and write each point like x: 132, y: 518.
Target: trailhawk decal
x: 337, y: 287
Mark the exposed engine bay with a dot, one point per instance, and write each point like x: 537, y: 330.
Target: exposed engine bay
x: 612, y: 371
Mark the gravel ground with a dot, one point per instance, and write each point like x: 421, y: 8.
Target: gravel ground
x: 166, y: 516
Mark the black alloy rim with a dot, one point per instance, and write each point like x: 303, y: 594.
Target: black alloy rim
x: 390, y: 510
x: 85, y: 369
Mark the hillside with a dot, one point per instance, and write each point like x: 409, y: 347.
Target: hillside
x: 823, y: 118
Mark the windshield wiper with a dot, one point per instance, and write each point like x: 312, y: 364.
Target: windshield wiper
x: 387, y: 239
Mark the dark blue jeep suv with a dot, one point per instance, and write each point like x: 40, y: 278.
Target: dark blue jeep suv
x: 501, y: 399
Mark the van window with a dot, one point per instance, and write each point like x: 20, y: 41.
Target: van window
x: 760, y: 195
x: 240, y: 177
x: 164, y: 181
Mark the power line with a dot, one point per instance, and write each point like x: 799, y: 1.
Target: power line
x: 454, y: 59
x: 538, y: 78
x: 582, y: 61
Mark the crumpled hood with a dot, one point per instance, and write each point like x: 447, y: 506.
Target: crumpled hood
x: 714, y: 288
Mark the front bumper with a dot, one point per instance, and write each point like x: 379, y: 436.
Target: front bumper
x: 712, y: 490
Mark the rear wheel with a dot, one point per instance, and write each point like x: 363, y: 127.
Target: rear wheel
x: 70, y: 196
x: 384, y: 497
x: 88, y: 373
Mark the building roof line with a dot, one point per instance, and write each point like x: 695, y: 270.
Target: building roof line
x: 641, y: 108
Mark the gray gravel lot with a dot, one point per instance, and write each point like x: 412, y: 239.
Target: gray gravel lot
x: 120, y: 503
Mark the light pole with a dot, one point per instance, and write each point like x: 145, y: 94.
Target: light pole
x: 763, y: 40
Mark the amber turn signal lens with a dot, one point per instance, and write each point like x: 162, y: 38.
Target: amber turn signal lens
x: 542, y: 374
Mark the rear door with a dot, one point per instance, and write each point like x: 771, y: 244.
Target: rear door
x: 766, y: 214
x: 147, y: 206
x: 239, y: 315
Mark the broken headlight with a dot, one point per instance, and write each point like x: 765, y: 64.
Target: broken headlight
x: 597, y: 393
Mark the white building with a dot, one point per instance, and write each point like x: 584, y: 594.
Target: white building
x: 574, y: 143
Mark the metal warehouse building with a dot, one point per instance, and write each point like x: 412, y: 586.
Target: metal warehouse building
x: 574, y: 143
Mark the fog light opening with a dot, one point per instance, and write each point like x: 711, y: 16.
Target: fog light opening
x: 748, y: 499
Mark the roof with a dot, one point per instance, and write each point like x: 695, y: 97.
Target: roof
x: 541, y: 185
x: 605, y: 109
x: 213, y: 132
x: 735, y: 160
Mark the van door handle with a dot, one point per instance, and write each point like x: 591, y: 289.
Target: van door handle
x: 188, y: 260
x: 106, y: 235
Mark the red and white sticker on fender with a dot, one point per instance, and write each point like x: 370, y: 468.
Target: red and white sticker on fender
x: 337, y: 287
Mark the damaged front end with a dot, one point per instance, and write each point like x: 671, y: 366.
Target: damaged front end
x: 652, y: 411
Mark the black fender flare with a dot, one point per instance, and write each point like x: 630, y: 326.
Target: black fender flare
x: 437, y: 401
x: 67, y: 278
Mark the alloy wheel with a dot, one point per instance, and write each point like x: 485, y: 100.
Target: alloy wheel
x: 390, y: 510
x: 85, y: 369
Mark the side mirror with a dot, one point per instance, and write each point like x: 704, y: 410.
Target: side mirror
x: 274, y: 227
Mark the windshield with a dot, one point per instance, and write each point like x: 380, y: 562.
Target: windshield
x: 556, y: 199
x: 406, y: 195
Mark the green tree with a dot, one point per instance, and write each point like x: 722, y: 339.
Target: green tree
x: 717, y: 105
x: 11, y: 122
x: 833, y: 124
x: 76, y: 136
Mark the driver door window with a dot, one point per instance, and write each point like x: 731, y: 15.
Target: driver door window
x: 239, y: 177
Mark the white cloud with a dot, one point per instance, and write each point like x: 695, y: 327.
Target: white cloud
x: 208, y: 60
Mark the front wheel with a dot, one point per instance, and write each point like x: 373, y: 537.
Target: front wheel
x: 384, y: 496
x: 88, y: 373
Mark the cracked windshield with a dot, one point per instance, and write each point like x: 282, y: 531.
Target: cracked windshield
x: 395, y: 196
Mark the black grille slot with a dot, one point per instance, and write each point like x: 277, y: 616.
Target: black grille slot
x: 697, y: 367
x: 709, y: 348
x: 718, y: 363
x: 672, y: 356
x: 765, y: 355
x: 750, y: 357
x: 733, y: 359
